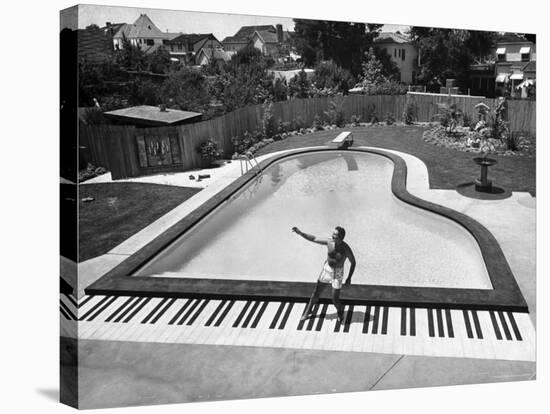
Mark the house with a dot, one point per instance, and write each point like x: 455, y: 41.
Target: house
x: 94, y: 45
x: 185, y: 47
x: 208, y: 55
x: 513, y: 53
x: 142, y: 33
x: 403, y: 53
x: 268, y: 39
x: 233, y: 44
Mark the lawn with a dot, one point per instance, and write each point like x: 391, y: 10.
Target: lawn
x: 120, y: 210
x: 447, y: 167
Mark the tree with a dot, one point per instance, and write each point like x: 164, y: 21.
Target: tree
x: 343, y: 43
x: 187, y: 89
x: 448, y: 53
x: 299, y: 85
x: 159, y: 61
x: 328, y: 75
x: 130, y: 56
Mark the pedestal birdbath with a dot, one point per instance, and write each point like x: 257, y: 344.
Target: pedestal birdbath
x: 483, y: 184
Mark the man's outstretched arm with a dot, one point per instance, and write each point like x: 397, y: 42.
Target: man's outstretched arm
x: 309, y: 237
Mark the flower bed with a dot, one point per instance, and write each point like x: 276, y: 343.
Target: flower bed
x: 463, y: 139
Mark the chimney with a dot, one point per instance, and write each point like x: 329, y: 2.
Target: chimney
x: 279, y: 33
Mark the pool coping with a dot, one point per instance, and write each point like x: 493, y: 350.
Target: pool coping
x: 505, y: 295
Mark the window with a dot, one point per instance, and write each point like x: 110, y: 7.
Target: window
x: 394, y: 52
x: 525, y: 54
x: 402, y: 54
x: 149, y: 42
x: 501, y: 54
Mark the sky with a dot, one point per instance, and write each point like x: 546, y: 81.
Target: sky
x: 175, y: 21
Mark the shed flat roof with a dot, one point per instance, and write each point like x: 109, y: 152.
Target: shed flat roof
x: 152, y: 114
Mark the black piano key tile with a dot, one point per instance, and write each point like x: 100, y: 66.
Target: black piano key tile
x: 439, y: 316
x: 495, y: 325
x: 514, y: 326
x: 65, y: 315
x: 431, y: 328
x: 412, y: 327
x: 321, y: 319
x: 71, y: 299
x: 286, y: 315
x: 81, y: 304
x: 375, y: 321
x: 95, y: 307
x: 193, y: 318
x: 366, y: 321
x: 277, y: 315
x: 155, y: 309
x: 469, y: 331
x: 241, y: 314
x: 101, y: 309
x: 477, y: 325
x: 163, y: 310
x: 120, y: 309
x: 251, y: 313
x: 403, y: 321
x: 385, y: 316
x: 215, y: 313
x: 179, y: 313
x: 311, y: 320
x: 349, y: 316
x: 507, y: 332
x: 449, y: 319
x: 259, y: 315
x: 67, y: 310
x: 224, y: 313
x: 136, y: 310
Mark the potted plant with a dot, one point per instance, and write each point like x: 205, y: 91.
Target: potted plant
x: 209, y: 153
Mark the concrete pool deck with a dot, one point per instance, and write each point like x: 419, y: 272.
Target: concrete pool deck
x: 118, y: 373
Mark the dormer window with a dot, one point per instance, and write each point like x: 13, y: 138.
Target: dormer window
x: 525, y: 53
x: 501, y: 54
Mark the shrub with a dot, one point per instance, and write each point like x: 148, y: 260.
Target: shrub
x: 209, y: 151
x: 466, y: 119
x: 355, y: 120
x: 329, y: 78
x: 390, y: 119
x: 371, y: 113
x: 410, y: 114
x: 317, y: 123
x: 514, y: 140
x: 242, y: 144
x: 449, y: 116
x: 298, y: 123
x: 280, y: 90
x: 283, y: 127
x: 94, y: 116
x: 335, y: 113
x: 269, y: 126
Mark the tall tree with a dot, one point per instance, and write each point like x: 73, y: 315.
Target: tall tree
x: 342, y: 42
x: 448, y: 53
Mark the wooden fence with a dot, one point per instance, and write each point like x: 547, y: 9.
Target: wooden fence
x: 121, y: 149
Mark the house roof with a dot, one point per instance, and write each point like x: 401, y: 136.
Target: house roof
x: 152, y: 115
x: 390, y: 37
x: 248, y: 31
x: 216, y: 54
x: 235, y: 39
x: 510, y: 38
x: 191, y: 38
x: 112, y: 28
x: 142, y: 28
x: 267, y: 36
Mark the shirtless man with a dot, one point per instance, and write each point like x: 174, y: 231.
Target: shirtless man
x: 333, y: 269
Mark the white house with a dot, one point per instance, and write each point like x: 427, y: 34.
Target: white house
x: 403, y: 53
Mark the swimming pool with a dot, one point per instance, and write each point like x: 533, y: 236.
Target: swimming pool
x: 396, y: 244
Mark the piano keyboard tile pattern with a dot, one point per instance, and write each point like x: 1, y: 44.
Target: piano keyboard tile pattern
x: 364, y: 328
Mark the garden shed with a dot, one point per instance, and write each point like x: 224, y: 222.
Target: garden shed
x: 152, y: 116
